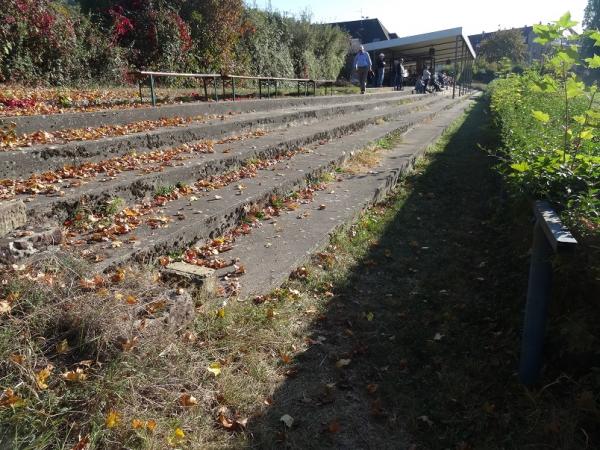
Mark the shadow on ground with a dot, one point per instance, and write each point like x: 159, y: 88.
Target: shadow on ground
x: 419, y: 341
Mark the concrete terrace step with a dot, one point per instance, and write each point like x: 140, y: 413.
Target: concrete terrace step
x: 24, y: 161
x: 271, y: 252
x: 53, y: 122
x: 136, y: 185
x: 211, y: 216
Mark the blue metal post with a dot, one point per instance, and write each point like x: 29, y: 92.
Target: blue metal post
x: 536, y: 309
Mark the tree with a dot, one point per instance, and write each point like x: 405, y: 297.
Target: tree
x: 504, y: 44
x: 591, y: 20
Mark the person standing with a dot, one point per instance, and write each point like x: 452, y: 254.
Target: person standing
x: 380, y: 69
x: 362, y: 65
x: 399, y: 75
x: 426, y: 77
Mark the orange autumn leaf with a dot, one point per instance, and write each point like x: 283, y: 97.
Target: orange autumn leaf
x: 9, y: 398
x: 42, y: 376
x: 187, y: 400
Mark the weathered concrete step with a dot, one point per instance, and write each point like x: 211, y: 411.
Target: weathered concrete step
x: 24, y: 161
x: 271, y: 252
x: 212, y: 215
x: 53, y: 122
x: 135, y: 185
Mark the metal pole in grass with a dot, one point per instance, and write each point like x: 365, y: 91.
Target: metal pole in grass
x: 233, y: 88
x: 152, y: 95
x: 549, y: 237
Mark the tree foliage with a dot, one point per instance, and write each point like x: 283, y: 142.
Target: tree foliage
x: 59, y: 42
x: 504, y: 44
x: 591, y: 21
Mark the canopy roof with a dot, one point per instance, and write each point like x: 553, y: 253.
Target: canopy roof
x: 444, y: 42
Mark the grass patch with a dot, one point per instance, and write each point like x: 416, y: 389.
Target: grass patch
x: 403, y: 332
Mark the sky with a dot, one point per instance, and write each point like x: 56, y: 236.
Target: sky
x: 401, y: 17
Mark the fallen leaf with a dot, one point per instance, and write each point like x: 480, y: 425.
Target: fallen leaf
x: 75, y: 375
x: 82, y: 444
x: 334, y: 427
x: 215, y: 368
x: 17, y: 359
x: 438, y: 337
x: 112, y: 419
x: 342, y: 363
x: 188, y: 400
x: 425, y: 419
x: 62, y: 347
x: 42, y: 376
x: 287, y: 420
x: 370, y: 316
x: 9, y: 398
x: 372, y: 388
x: 5, y: 307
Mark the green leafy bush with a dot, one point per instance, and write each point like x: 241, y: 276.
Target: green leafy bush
x: 549, y: 121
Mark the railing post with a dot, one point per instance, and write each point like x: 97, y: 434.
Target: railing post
x: 268, y: 88
x: 298, y: 89
x: 215, y: 89
x: 205, y: 89
x: 233, y: 88
x: 259, y: 88
x: 455, y: 68
x: 549, y: 236
x: 140, y: 88
x: 152, y: 95
x: 275, y: 88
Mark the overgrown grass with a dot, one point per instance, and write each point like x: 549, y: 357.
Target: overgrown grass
x: 404, y: 331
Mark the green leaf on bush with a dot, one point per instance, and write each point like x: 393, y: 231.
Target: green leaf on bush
x: 586, y: 135
x: 579, y: 119
x: 540, y: 116
x: 546, y: 84
x: 574, y: 88
x: 565, y: 21
x: 594, y: 35
x: 594, y: 62
x: 520, y: 167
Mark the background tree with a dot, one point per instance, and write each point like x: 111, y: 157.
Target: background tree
x: 591, y: 20
x: 504, y: 44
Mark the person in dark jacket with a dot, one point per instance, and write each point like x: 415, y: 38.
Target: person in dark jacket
x: 399, y: 74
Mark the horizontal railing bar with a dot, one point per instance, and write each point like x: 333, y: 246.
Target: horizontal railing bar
x: 226, y: 77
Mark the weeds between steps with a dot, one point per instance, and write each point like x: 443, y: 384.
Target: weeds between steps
x: 181, y: 391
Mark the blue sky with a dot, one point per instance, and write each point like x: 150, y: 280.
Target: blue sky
x: 402, y: 16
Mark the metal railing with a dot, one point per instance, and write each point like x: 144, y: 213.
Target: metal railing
x: 549, y: 237
x: 208, y: 79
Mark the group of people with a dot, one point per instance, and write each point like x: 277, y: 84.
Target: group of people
x: 429, y: 81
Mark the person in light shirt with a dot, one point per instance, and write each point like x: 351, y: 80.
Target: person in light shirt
x: 362, y: 65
